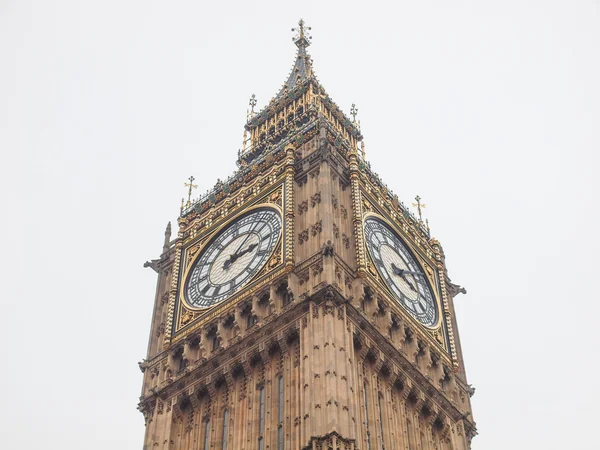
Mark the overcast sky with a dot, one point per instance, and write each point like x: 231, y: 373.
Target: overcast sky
x: 489, y: 110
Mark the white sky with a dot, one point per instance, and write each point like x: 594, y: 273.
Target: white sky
x: 489, y: 110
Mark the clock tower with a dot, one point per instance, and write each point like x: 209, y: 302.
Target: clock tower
x: 301, y: 305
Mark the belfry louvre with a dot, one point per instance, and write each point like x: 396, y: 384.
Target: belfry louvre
x: 301, y: 305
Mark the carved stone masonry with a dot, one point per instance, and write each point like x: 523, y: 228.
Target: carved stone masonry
x: 315, y: 199
x: 316, y: 228
x: 346, y: 241
x: 303, y: 236
x: 344, y: 211
x: 303, y: 207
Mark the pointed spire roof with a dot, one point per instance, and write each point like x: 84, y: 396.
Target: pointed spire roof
x: 302, y: 69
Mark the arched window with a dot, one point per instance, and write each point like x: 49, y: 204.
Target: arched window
x: 261, y: 418
x: 366, y: 416
x: 207, y: 435
x: 250, y: 321
x: 280, y: 414
x: 380, y: 421
x: 225, y: 420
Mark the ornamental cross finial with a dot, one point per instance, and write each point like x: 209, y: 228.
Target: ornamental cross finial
x: 302, y: 38
x: 252, y: 103
x: 353, y: 112
x: 191, y: 186
x: 419, y: 205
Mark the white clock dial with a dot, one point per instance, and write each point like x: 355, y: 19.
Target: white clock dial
x: 400, y: 271
x: 233, y: 257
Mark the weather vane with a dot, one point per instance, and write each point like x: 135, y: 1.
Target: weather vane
x: 191, y: 186
x: 419, y: 205
x: 302, y: 39
x: 353, y: 112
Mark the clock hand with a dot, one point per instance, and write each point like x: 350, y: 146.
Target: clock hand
x: 248, y: 250
x: 235, y: 255
x: 401, y: 273
x: 233, y: 258
x: 410, y: 285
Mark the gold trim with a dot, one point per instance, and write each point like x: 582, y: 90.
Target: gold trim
x: 209, y: 238
x: 420, y: 261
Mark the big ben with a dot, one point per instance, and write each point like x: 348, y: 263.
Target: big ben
x: 301, y: 305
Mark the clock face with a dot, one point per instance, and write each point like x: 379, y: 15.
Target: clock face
x: 397, y: 266
x: 233, y: 257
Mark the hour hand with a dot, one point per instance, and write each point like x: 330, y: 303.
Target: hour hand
x: 233, y: 258
x: 397, y: 270
x: 402, y: 273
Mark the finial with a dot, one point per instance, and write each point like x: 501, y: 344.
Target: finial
x: 191, y: 186
x: 419, y: 205
x: 353, y: 112
x: 181, y: 207
x: 302, y: 39
x: 252, y: 104
x: 362, y: 150
x: 167, y: 238
x: 244, y: 139
x: 427, y: 226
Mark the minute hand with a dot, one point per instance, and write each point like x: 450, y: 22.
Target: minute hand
x: 235, y: 255
x: 402, y: 272
x: 413, y: 273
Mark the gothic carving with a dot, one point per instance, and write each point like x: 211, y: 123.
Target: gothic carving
x: 344, y: 211
x: 346, y: 241
x: 302, y: 180
x: 303, y: 277
x: 327, y: 249
x: 303, y: 207
x: 303, y: 236
x: 255, y: 336
x: 315, y: 199
x: 454, y: 289
x: 316, y: 228
x: 316, y: 268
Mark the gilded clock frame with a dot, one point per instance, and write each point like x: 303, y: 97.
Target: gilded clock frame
x: 205, y: 242
x: 425, y: 253
x: 427, y: 268
x: 274, y: 195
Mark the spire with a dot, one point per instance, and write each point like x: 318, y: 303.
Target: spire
x: 167, y: 243
x: 302, y: 39
x: 303, y: 66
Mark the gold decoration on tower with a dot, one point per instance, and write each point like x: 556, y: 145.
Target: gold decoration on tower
x: 191, y: 186
x: 419, y: 205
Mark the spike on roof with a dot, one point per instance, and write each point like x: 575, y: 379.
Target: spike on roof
x: 302, y: 69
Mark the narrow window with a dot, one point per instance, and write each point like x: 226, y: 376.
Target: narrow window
x: 287, y: 298
x: 225, y: 419
x: 207, y: 435
x: 408, y: 433
x: 251, y: 320
x: 182, y: 363
x: 215, y: 342
x: 280, y: 417
x: 367, y: 416
x: 261, y: 419
x: 380, y: 421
